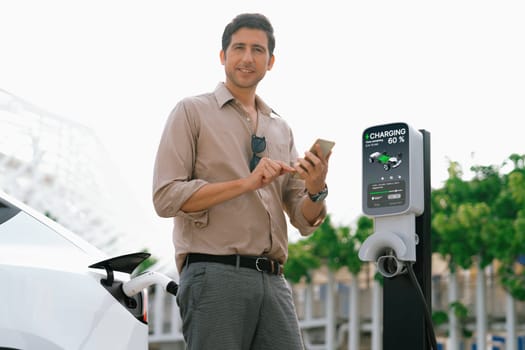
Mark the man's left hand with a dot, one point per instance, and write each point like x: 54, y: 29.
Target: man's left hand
x: 313, y: 169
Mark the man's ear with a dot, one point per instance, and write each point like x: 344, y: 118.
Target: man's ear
x: 270, y: 62
x: 223, y: 57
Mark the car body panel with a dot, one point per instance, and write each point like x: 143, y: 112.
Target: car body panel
x: 50, y: 298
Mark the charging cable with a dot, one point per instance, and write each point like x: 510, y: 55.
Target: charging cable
x: 146, y: 279
x: 431, y: 336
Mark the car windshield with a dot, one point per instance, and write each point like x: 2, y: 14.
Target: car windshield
x: 6, y: 212
x: 19, y: 228
x: 23, y: 229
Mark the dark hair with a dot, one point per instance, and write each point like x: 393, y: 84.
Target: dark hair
x: 252, y: 21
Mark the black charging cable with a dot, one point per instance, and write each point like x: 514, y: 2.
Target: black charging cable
x: 431, y: 336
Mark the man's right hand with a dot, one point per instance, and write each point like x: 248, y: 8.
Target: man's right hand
x: 214, y: 193
x: 268, y: 170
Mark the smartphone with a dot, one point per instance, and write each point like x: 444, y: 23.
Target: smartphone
x: 326, y: 146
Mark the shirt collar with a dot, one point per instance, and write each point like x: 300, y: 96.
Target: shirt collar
x: 223, y: 96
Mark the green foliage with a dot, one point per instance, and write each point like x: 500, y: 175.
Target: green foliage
x: 518, y: 160
x: 51, y: 216
x: 333, y: 246
x: 461, y: 313
x: 517, y: 187
x: 513, y: 281
x: 352, y: 243
x: 482, y: 220
x: 439, y: 317
x: 324, y: 244
x: 461, y: 232
x: 460, y: 310
x: 146, y: 264
x: 300, y: 261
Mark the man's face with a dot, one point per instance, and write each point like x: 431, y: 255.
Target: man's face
x: 247, y: 58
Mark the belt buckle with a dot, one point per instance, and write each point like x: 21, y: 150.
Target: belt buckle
x: 257, y: 263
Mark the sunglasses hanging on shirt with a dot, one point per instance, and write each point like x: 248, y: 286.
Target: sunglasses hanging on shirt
x: 258, y: 146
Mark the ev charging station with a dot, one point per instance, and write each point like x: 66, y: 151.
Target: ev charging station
x: 396, y: 194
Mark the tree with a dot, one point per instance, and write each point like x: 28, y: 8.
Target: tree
x: 511, y: 206
x: 480, y: 221
x: 301, y: 261
x: 336, y: 248
x: 464, y: 233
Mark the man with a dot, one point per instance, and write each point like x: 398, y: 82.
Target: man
x: 227, y: 170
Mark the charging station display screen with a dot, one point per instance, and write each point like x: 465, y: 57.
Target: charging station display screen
x: 386, y: 169
x: 386, y: 194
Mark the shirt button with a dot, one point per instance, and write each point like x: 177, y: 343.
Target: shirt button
x: 198, y: 224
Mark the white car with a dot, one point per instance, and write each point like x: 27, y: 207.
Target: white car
x: 387, y: 161
x: 59, y: 292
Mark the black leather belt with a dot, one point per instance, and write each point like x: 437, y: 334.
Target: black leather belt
x: 259, y: 263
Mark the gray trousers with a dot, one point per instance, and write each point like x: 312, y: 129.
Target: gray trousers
x: 236, y: 308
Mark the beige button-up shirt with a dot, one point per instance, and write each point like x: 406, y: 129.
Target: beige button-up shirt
x: 207, y: 139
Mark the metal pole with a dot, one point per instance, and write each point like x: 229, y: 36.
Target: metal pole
x: 403, y: 311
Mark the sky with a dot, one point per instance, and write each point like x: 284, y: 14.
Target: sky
x: 453, y: 68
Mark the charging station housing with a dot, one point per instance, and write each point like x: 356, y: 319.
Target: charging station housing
x: 396, y: 194
x: 392, y: 170
x: 392, y: 194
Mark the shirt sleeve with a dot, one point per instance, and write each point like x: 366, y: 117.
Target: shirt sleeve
x: 174, y: 163
x: 297, y: 218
